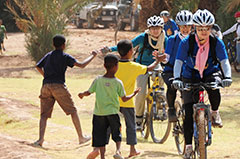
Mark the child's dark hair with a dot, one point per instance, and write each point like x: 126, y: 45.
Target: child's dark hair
x: 110, y: 61
x: 123, y: 47
x: 58, y: 40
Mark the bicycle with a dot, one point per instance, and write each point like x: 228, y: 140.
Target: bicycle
x: 202, y: 128
x: 231, y: 50
x: 155, y: 120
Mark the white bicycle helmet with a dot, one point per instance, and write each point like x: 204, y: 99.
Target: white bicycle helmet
x: 164, y: 13
x: 155, y: 21
x: 184, y: 17
x: 203, y: 18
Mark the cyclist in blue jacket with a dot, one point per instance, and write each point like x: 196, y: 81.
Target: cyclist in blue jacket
x: 184, y: 21
x: 200, y: 65
x: 170, y: 25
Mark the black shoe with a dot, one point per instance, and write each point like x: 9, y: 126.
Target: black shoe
x: 172, y: 115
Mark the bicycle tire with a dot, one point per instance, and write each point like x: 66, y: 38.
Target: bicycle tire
x: 154, y: 124
x: 145, y: 127
x: 201, y: 123
x: 178, y: 131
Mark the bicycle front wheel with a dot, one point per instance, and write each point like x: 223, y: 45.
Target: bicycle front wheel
x: 145, y: 125
x: 159, y: 125
x: 178, y: 132
x: 201, y: 123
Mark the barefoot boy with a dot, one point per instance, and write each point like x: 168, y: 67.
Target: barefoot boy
x: 53, y: 67
x: 108, y: 88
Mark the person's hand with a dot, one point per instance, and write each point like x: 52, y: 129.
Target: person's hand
x: 137, y: 90
x: 159, y: 56
x: 105, y: 50
x: 94, y: 53
x: 226, y: 82
x: 177, y: 84
x: 80, y: 95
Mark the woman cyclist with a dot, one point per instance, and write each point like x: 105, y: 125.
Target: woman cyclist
x: 184, y: 22
x: 196, y: 54
x: 152, y: 39
x: 236, y: 27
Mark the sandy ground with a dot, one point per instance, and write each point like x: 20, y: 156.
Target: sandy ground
x: 15, y: 60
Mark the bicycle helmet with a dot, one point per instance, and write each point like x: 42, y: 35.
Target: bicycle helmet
x: 164, y: 13
x: 184, y: 17
x: 203, y: 18
x: 237, y: 14
x: 155, y: 21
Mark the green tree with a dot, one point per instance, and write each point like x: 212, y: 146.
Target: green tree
x: 41, y: 20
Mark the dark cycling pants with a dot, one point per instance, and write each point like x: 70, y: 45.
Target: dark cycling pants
x: 171, y: 92
x: 191, y: 97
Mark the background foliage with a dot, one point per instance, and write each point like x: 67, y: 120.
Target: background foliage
x: 41, y: 20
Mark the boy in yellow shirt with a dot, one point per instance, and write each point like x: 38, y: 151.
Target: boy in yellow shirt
x: 128, y: 71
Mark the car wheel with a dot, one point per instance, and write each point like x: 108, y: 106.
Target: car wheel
x: 79, y: 23
x: 90, y: 21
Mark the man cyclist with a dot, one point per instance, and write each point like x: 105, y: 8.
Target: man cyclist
x: 170, y: 26
x: 235, y: 27
x: 196, y: 55
x: 184, y: 22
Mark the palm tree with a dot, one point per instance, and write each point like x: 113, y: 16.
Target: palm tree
x: 41, y: 20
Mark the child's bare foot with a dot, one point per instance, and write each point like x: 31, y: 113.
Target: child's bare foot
x: 38, y: 143
x: 84, y: 139
x: 133, y: 154
x: 118, y: 155
x: 93, y: 154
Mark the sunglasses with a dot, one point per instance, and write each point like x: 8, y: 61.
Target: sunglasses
x: 203, y: 29
x: 238, y: 18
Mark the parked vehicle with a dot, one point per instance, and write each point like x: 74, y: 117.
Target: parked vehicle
x: 127, y: 14
x: 95, y: 12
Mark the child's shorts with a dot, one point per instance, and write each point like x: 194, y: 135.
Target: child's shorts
x: 100, y: 126
x: 55, y: 92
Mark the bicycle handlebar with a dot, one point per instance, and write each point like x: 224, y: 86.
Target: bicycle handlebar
x: 209, y: 85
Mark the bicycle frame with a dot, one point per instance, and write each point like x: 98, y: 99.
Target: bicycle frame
x: 155, y: 121
x: 153, y: 91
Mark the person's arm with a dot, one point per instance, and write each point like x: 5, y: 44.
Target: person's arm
x: 136, y: 41
x: 40, y: 70
x: 83, y: 94
x: 126, y: 98
x: 232, y: 29
x: 86, y: 61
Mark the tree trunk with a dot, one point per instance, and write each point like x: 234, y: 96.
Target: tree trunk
x: 211, y: 5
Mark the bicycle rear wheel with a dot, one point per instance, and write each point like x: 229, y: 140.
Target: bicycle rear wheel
x: 159, y: 125
x: 201, y: 123
x: 178, y: 131
x: 145, y: 125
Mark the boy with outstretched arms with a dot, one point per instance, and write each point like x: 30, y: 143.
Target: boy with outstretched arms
x: 107, y: 88
x: 53, y: 67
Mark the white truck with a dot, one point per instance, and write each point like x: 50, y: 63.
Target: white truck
x: 96, y: 12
